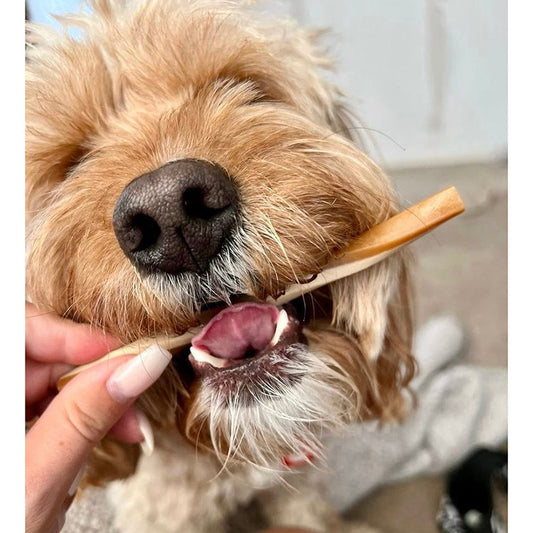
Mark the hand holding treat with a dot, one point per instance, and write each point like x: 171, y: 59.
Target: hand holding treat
x: 70, y: 423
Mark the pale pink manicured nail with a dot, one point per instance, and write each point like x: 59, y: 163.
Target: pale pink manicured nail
x: 133, y: 378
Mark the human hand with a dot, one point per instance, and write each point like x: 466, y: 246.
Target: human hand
x: 97, y: 401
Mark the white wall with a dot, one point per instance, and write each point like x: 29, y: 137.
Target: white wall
x: 429, y: 74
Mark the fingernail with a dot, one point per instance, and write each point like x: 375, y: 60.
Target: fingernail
x: 76, y: 482
x: 147, y: 445
x: 133, y: 378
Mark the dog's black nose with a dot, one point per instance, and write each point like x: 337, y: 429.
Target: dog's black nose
x: 175, y: 219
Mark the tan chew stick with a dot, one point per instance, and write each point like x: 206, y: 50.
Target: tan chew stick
x: 366, y: 250
x: 383, y: 240
x: 171, y: 344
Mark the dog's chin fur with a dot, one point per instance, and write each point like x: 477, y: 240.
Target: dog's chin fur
x: 157, y: 81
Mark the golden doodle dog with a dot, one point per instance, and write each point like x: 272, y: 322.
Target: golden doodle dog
x: 182, y: 154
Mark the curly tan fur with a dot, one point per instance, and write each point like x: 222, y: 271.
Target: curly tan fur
x: 155, y: 81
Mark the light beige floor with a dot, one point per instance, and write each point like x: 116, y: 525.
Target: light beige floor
x: 408, y: 507
x: 461, y: 270
x: 462, y: 266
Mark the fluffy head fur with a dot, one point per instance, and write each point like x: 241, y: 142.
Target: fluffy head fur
x: 155, y: 81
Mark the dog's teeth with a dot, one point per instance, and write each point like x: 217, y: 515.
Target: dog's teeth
x: 203, y: 357
x: 283, y: 322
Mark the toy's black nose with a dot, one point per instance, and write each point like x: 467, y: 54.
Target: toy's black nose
x: 175, y: 219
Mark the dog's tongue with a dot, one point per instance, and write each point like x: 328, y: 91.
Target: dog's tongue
x: 237, y: 330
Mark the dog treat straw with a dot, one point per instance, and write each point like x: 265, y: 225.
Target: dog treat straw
x: 366, y: 250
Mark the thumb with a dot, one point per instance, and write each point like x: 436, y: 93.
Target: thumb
x: 57, y: 445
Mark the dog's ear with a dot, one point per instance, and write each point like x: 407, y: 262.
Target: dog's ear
x: 375, y: 308
x: 340, y: 118
x: 343, y: 121
x: 327, y: 96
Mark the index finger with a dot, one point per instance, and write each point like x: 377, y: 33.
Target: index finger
x: 52, y: 339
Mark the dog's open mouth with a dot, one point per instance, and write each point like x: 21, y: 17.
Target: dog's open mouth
x: 243, y: 333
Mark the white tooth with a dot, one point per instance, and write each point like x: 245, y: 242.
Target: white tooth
x: 283, y: 322
x: 147, y: 445
x: 203, y: 357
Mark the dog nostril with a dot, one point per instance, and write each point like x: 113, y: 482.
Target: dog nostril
x: 177, y: 217
x: 144, y: 233
x: 195, y: 204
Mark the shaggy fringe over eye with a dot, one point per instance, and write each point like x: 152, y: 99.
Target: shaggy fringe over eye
x: 258, y: 423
